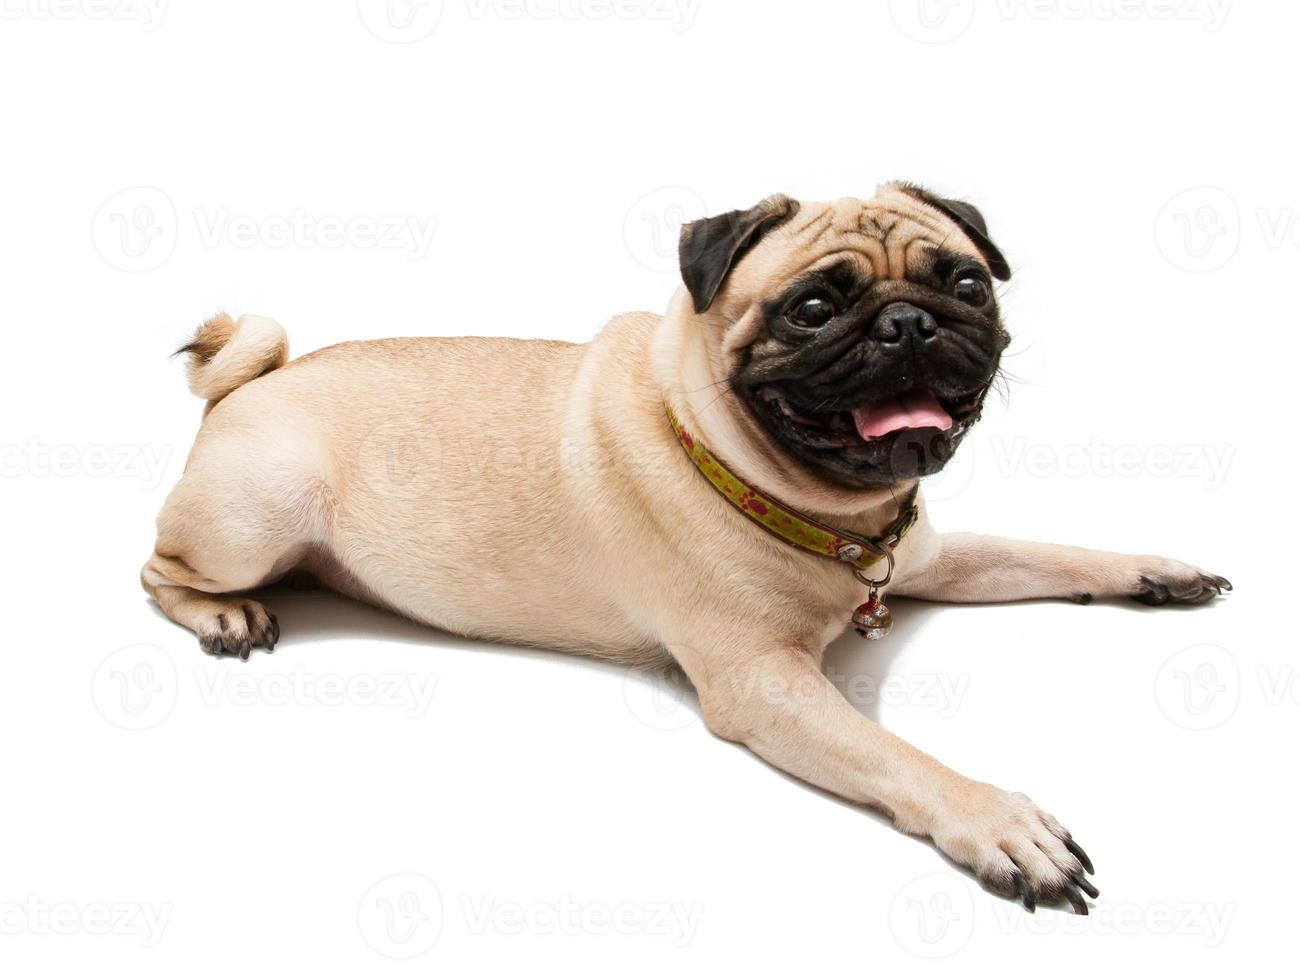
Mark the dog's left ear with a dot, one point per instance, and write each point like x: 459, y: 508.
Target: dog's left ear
x: 968, y: 218
x: 710, y: 248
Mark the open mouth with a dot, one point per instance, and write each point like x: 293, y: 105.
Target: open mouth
x: 872, y: 425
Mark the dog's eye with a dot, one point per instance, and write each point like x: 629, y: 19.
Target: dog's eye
x: 812, y: 311
x: 972, y: 290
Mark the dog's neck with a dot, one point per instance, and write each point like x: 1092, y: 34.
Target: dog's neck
x: 696, y: 388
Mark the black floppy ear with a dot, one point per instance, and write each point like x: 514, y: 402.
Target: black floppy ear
x: 710, y: 248
x: 970, y: 221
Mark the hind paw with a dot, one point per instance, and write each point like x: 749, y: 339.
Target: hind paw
x: 238, y: 628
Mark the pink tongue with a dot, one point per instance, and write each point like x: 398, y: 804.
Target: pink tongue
x: 915, y: 410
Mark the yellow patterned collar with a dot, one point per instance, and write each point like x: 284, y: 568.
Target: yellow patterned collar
x: 790, y: 525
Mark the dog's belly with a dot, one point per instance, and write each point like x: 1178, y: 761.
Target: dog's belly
x: 440, y: 488
x: 439, y: 601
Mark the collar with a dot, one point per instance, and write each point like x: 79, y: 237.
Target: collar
x: 792, y: 526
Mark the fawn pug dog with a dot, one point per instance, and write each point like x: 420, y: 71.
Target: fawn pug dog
x: 605, y: 498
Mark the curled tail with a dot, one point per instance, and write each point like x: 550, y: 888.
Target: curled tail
x: 224, y: 354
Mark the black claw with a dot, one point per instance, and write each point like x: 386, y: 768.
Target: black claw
x: 1084, y: 598
x: 245, y: 648
x: 1089, y: 889
x: 1026, y: 893
x: 1081, y: 854
x: 1076, y: 900
x: 1224, y: 585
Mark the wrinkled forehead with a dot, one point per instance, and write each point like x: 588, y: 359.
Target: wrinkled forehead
x: 884, y: 236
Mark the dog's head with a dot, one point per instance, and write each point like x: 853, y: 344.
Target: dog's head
x: 862, y: 336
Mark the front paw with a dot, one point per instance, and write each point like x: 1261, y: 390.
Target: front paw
x: 1162, y: 581
x: 1015, y: 849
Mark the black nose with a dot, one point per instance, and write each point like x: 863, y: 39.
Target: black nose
x: 899, y: 320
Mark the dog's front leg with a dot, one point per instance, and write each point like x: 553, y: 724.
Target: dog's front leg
x: 784, y: 709
x: 979, y: 568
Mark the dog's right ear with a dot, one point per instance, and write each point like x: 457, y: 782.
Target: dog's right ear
x: 710, y: 248
x: 969, y: 219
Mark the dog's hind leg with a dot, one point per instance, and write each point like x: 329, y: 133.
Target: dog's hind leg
x: 225, y: 530
x: 225, y: 623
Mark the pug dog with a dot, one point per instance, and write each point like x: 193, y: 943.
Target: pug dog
x: 641, y: 497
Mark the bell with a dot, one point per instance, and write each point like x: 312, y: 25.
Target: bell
x: 872, y: 620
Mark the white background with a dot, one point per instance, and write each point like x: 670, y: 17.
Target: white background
x: 1136, y: 161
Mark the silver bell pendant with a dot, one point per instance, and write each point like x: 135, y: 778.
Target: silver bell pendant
x: 872, y: 620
